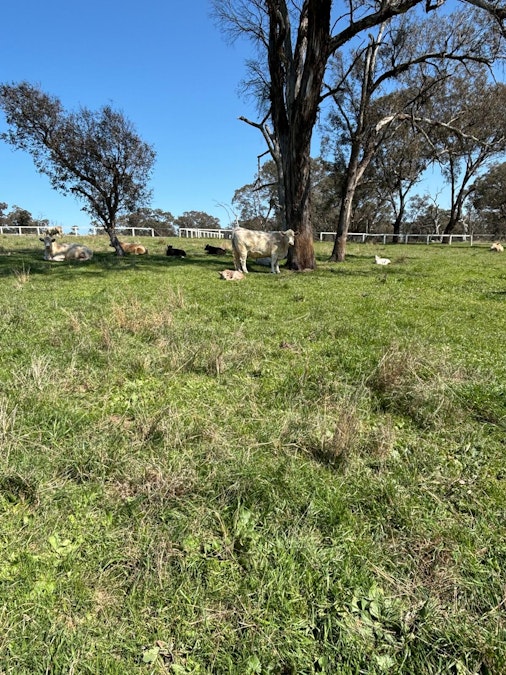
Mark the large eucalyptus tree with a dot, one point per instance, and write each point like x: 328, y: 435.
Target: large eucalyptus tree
x: 295, y: 41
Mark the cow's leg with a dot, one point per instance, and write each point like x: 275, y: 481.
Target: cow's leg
x: 274, y: 264
x: 237, y: 260
x: 243, y: 267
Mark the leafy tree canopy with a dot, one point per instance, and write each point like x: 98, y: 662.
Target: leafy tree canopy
x: 96, y: 156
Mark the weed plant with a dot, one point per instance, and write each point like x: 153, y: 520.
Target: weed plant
x: 294, y: 473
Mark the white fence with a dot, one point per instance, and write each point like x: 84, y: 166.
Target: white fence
x: 23, y: 229
x: 192, y: 232
x: 129, y: 231
x: 34, y: 229
x: 403, y: 238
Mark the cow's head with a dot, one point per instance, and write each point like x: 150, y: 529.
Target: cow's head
x: 290, y: 235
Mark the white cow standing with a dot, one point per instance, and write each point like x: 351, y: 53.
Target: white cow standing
x: 253, y: 244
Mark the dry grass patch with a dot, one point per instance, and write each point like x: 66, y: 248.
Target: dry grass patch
x: 155, y: 484
x: 7, y: 419
x: 22, y: 275
x: 419, y: 383
x: 135, y: 318
x: 381, y: 439
x: 345, y: 439
x: 39, y: 375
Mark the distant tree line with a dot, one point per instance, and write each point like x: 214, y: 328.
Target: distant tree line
x: 162, y: 222
x: 19, y: 217
x: 376, y: 203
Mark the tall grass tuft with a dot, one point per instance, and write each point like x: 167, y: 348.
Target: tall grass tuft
x: 22, y: 275
x: 419, y: 382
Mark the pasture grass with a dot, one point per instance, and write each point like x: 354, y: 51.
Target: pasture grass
x: 291, y: 474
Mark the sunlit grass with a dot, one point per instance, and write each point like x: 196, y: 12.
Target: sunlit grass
x: 294, y: 473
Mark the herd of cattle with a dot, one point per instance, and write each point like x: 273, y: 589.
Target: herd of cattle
x: 267, y: 248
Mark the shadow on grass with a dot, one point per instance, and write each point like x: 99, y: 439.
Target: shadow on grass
x: 105, y: 263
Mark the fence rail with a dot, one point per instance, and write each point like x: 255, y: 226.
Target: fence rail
x: 405, y: 238
x: 22, y: 229
x: 191, y: 232
x: 129, y: 231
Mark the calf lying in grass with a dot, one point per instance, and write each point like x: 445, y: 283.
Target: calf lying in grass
x: 215, y: 250
x: 60, y: 252
x: 133, y: 247
x: 381, y: 261
x: 497, y: 247
x: 176, y: 252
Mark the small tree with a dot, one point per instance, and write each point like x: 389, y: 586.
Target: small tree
x: 426, y: 215
x: 476, y: 136
x: 397, y: 167
x: 19, y: 217
x: 96, y: 156
x: 257, y: 203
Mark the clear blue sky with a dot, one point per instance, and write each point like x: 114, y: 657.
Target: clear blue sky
x: 165, y: 65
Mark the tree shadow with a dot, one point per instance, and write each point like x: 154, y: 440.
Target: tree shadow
x: 105, y: 263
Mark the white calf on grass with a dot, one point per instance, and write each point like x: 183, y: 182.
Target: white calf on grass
x: 381, y: 261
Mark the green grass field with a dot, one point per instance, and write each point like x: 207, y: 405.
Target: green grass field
x: 290, y: 474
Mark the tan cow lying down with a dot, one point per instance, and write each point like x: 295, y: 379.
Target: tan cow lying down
x: 231, y: 275
x: 273, y: 245
x: 133, y: 248
x: 60, y: 252
x: 497, y: 246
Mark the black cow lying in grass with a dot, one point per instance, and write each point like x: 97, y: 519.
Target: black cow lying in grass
x: 215, y: 250
x: 177, y: 252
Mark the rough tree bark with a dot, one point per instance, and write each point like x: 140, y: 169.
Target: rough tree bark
x: 296, y: 82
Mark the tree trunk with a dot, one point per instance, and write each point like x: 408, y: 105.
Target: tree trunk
x: 343, y: 224
x: 398, y: 219
x: 298, y: 209
x: 296, y: 73
x: 111, y: 231
x: 455, y: 216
